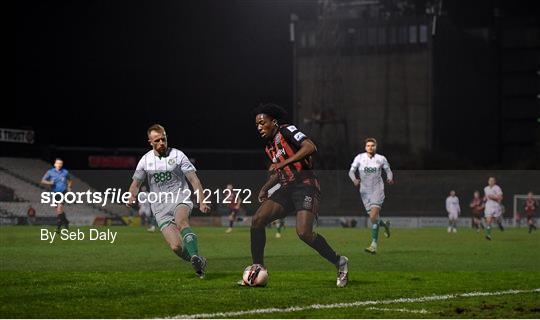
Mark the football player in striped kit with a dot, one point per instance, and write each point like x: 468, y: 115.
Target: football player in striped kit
x: 369, y: 166
x: 530, y: 207
x: 166, y: 170
x: 477, y: 207
x: 290, y: 152
x: 233, y: 201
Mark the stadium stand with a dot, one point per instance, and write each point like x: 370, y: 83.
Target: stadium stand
x: 23, y: 176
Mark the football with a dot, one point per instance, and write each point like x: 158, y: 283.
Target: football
x: 255, y: 276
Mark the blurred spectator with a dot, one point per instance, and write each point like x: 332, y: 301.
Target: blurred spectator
x: 31, y: 213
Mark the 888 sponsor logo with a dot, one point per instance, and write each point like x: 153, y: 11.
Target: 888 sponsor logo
x: 162, y: 176
x: 370, y: 170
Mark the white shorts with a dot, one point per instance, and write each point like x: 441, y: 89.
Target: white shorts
x: 372, y: 199
x: 493, y: 211
x: 452, y: 215
x: 166, y: 217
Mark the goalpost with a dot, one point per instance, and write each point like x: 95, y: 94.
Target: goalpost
x: 519, y: 207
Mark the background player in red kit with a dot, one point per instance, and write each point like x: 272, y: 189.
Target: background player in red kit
x: 530, y: 206
x: 477, y: 207
x: 233, y: 201
x: 290, y: 152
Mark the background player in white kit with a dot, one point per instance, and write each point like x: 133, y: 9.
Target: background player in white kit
x: 369, y: 166
x: 453, y: 209
x: 145, y: 211
x: 166, y: 170
x: 493, y: 196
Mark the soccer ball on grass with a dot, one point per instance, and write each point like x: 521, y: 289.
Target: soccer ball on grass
x: 255, y: 276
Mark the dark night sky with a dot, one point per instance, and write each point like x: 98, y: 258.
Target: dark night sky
x: 98, y: 73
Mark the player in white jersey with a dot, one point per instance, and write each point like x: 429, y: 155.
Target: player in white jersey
x: 453, y: 209
x: 493, y: 196
x: 166, y: 170
x: 369, y: 166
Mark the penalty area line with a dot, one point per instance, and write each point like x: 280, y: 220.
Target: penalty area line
x: 235, y: 314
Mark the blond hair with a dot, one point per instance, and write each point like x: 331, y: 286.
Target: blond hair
x: 155, y: 127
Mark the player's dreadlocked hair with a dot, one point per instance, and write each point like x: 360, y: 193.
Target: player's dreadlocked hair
x: 270, y: 109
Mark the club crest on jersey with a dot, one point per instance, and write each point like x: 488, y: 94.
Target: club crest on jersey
x: 171, y: 161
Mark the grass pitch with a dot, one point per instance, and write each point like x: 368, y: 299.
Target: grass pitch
x: 138, y: 276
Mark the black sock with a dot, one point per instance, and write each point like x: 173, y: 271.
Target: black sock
x: 231, y: 224
x: 58, y: 222
x: 65, y: 221
x: 324, y: 249
x: 258, y: 241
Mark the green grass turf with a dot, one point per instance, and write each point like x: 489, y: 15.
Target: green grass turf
x: 138, y: 276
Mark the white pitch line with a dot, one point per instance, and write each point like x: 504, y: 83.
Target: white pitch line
x: 232, y: 314
x: 399, y: 310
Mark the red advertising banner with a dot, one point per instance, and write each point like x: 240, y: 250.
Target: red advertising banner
x: 112, y: 162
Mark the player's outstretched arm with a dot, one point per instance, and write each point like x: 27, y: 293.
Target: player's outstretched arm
x: 389, y: 173
x: 307, y: 148
x: 46, y: 180
x: 197, y: 186
x: 133, y: 191
x: 69, y: 184
x: 272, y: 181
x: 352, y: 175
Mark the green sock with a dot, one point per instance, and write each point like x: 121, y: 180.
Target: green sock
x: 488, y: 231
x: 375, y: 231
x: 189, y: 239
x: 185, y: 255
x: 382, y: 223
x: 279, y: 227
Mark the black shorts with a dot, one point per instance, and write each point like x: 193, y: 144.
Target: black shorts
x: 297, y: 197
x: 62, y: 192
